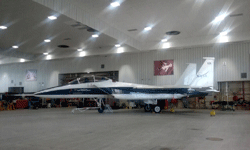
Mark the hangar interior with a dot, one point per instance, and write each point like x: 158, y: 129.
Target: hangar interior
x: 230, y: 63
x: 82, y: 39
x: 46, y: 44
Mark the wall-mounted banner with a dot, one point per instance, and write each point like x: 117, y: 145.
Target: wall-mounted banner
x: 31, y: 75
x: 164, y: 67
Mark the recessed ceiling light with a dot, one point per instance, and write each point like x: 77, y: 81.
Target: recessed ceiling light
x: 15, y: 46
x: 52, y: 17
x: 115, y: 4
x: 166, y: 45
x: 223, y: 39
x: 224, y: 33
x: 48, y: 57
x: 164, y: 40
x: 47, y: 40
x: 95, y: 35
x: 45, y: 53
x: 79, y: 49
x: 82, y: 54
x: 22, y: 60
x: 147, y: 28
x: 120, y: 50
x: 219, y: 18
x: 3, y: 27
x: 117, y: 45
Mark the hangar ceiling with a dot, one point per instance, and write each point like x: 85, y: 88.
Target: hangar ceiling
x: 27, y: 26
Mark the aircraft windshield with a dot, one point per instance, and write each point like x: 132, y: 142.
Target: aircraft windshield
x: 87, y: 79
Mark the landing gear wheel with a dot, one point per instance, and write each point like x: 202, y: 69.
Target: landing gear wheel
x: 100, y: 110
x: 157, y: 109
x: 147, y: 108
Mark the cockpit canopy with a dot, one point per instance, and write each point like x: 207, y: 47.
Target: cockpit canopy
x: 89, y: 78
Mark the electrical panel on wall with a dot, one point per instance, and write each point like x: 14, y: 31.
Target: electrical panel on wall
x: 243, y: 75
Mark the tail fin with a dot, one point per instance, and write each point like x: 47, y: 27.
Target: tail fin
x: 205, y: 76
x: 188, y: 75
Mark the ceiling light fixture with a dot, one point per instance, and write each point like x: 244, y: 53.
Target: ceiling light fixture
x: 120, y: 50
x: 117, y: 45
x: 224, y: 33
x: 166, y: 45
x: 47, y: 40
x: 15, y: 46
x: 3, y: 27
x: 223, y: 39
x: 95, y: 35
x: 219, y: 18
x: 82, y: 54
x: 22, y: 60
x: 48, y: 57
x: 115, y: 4
x: 79, y: 50
x: 45, y: 53
x: 148, y: 28
x: 164, y: 40
x: 52, y: 17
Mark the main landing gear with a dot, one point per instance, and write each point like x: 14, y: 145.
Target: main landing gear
x: 155, y: 108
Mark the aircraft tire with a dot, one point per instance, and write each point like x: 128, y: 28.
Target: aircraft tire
x: 147, y: 108
x: 157, y: 109
x: 100, y: 110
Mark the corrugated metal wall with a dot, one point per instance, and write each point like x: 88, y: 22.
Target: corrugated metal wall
x: 134, y: 67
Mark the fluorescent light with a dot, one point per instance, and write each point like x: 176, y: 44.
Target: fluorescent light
x: 3, y: 27
x: 47, y: 40
x: 48, y: 57
x: 147, y: 28
x: 166, y: 45
x: 223, y: 39
x: 22, y: 60
x: 115, y: 4
x: 95, y: 35
x: 45, y: 53
x: 224, y: 33
x: 79, y: 49
x: 164, y: 40
x: 52, y: 17
x: 219, y: 18
x: 82, y: 54
x: 15, y: 46
x: 117, y: 45
x: 120, y: 50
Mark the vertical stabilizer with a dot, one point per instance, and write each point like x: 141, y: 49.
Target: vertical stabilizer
x: 205, y: 76
x: 188, y: 75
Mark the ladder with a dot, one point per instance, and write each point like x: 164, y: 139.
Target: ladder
x: 108, y: 109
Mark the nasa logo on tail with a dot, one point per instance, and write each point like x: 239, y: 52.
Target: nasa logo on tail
x: 203, y: 75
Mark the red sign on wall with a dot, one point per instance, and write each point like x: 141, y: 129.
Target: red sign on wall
x: 164, y: 67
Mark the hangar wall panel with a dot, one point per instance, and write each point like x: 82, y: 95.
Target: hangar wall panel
x: 230, y: 61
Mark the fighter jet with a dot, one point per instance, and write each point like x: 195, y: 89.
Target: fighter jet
x: 190, y: 84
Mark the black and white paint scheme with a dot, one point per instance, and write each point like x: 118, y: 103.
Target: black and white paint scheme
x: 190, y: 84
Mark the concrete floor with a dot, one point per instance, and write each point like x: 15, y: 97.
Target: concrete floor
x: 58, y: 128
